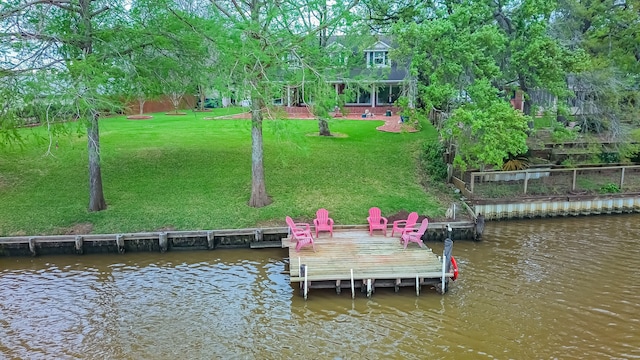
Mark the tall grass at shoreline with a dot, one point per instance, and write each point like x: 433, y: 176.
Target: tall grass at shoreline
x: 186, y: 173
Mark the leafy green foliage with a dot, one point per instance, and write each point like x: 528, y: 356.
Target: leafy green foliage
x: 518, y: 162
x: 486, y: 130
x: 609, y: 157
x: 610, y: 188
x: 562, y: 134
x: 449, y: 52
x: 432, y: 160
x: 628, y: 151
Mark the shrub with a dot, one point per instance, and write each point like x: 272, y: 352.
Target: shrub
x: 568, y: 162
x: 609, y: 157
x: 609, y: 188
x: 432, y: 160
x: 518, y: 162
x: 561, y: 133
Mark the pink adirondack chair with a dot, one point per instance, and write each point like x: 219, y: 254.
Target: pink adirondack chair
x: 323, y: 222
x: 301, y: 233
x: 298, y: 227
x: 404, y: 225
x: 376, y: 221
x: 415, y: 235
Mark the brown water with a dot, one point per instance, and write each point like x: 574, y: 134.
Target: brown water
x: 539, y: 289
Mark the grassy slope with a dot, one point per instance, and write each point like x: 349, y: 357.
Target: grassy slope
x: 187, y: 173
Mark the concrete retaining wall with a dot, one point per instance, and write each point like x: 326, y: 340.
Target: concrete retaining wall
x: 558, y: 207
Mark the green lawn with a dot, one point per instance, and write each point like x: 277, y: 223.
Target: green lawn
x: 186, y: 173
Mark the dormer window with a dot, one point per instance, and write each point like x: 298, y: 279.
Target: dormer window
x: 378, y: 56
x: 378, y: 59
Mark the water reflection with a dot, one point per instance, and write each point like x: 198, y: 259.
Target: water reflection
x: 557, y: 288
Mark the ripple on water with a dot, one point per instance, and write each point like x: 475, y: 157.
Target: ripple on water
x: 553, y: 288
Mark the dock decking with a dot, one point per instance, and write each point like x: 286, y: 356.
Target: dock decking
x: 380, y: 259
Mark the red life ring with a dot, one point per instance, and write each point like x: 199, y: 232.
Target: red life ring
x: 454, y: 265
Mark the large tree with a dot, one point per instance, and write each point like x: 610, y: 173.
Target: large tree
x: 456, y: 46
x: 77, y: 51
x: 259, y: 38
x: 68, y: 42
x: 533, y: 59
x: 605, y: 90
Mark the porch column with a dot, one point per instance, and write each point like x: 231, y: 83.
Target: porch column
x: 288, y: 96
x: 373, y: 95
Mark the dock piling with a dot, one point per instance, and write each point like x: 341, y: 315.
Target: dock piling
x: 79, y: 244
x: 120, y: 243
x: 32, y: 246
x: 163, y: 241
x: 210, y: 240
x: 258, y: 235
x: 353, y: 286
x: 446, y: 258
x: 479, y: 227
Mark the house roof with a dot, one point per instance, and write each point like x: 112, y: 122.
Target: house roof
x: 394, y: 73
x: 379, y: 46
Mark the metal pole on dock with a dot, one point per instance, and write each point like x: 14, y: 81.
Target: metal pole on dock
x: 444, y: 269
x: 353, y: 286
x: 306, y: 284
x: 446, y: 258
x: 368, y: 288
x: 417, y: 285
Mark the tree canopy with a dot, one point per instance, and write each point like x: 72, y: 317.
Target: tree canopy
x: 75, y: 54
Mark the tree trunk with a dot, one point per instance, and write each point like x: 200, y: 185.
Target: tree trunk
x: 141, y: 102
x: 202, y: 97
x: 323, y: 127
x: 96, y: 195
x: 175, y: 101
x: 259, y: 196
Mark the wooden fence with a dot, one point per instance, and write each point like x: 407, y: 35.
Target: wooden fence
x: 551, y: 181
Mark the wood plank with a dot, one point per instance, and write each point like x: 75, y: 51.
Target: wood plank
x: 265, y: 244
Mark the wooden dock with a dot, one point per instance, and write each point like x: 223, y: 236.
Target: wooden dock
x: 353, y: 259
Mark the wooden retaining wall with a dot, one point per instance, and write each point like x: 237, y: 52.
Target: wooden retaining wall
x: 184, y: 240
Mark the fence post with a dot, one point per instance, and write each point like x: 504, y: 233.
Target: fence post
x: 473, y: 178
x: 526, y: 180
x: 622, y: 178
x: 573, y: 184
